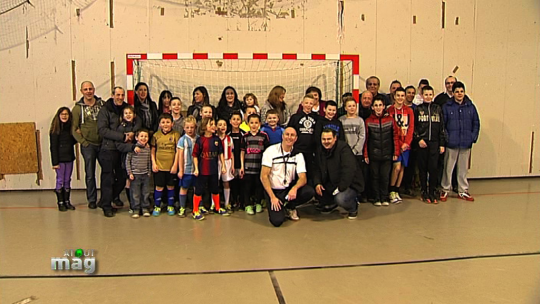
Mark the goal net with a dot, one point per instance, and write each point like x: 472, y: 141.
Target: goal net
x: 333, y: 77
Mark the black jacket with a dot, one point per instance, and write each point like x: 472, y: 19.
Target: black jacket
x: 61, y: 146
x: 429, y: 123
x: 153, y: 125
x: 334, y: 124
x: 108, y: 122
x: 337, y: 168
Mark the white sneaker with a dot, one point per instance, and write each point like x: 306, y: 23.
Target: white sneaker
x: 385, y: 203
x: 293, y: 215
x: 393, y: 198
x: 378, y: 204
x: 135, y: 215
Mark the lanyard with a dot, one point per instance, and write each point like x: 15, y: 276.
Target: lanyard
x: 285, y: 161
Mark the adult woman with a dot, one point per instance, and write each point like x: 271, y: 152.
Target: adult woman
x: 200, y: 98
x: 276, y: 100
x: 319, y: 104
x: 228, y: 103
x: 145, y: 108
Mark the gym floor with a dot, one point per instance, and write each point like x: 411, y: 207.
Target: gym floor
x: 486, y: 251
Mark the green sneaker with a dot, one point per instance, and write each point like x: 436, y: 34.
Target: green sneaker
x: 203, y: 210
x: 222, y: 212
x: 258, y: 208
x: 249, y: 210
x: 170, y: 210
x: 229, y: 209
x: 198, y: 216
x: 156, y: 211
x: 182, y: 212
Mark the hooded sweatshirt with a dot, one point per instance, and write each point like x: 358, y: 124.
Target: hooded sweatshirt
x: 85, y: 121
x: 304, y: 124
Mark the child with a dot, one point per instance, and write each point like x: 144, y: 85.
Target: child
x: 127, y: 125
x: 250, y: 100
x: 207, y: 150
x: 207, y: 111
x: 237, y: 136
x: 404, y: 117
x: 249, y: 110
x: 139, y: 166
x: 318, y: 104
x: 305, y: 123
x: 62, y: 156
x: 429, y: 131
x: 355, y: 134
x: 228, y: 148
x: 164, y: 103
x: 382, y: 146
x: 255, y: 142
x: 186, y: 168
x: 176, y: 112
x: 164, y: 162
x: 463, y: 128
x: 329, y: 121
x: 272, y: 128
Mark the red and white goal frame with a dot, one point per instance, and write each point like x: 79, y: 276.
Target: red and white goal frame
x: 354, y: 60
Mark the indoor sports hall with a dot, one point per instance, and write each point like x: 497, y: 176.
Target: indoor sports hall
x: 457, y: 250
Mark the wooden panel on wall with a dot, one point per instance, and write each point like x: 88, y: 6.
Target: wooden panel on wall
x: 393, y: 42
x: 426, y: 42
x: 19, y: 148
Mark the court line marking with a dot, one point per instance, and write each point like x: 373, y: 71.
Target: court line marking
x: 255, y: 270
x: 277, y: 289
x: 450, y: 197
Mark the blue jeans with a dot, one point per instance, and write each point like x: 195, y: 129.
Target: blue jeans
x: 140, y: 192
x: 345, y: 199
x: 90, y: 155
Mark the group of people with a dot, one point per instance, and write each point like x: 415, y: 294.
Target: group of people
x: 238, y: 155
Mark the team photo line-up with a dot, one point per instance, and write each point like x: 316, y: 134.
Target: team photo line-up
x: 242, y: 155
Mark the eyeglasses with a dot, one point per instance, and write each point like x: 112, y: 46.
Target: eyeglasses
x: 372, y: 84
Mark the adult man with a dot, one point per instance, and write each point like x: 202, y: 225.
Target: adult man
x: 364, y: 109
x: 463, y: 127
x: 393, y: 87
x: 84, y: 129
x: 337, y: 177
x: 418, y: 99
x: 443, y: 97
x: 113, y: 176
x: 280, y: 165
x: 373, y: 84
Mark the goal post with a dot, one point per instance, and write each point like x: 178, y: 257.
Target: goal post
x: 257, y: 73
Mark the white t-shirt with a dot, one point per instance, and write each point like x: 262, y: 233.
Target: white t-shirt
x: 284, y: 167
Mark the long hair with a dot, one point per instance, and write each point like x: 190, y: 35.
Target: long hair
x: 223, y: 100
x: 203, y: 91
x: 316, y: 90
x: 273, y: 98
x: 138, y: 102
x: 165, y: 93
x: 204, y: 124
x: 57, y: 125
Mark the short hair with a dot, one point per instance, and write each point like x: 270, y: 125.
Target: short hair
x: 118, y: 87
x: 129, y: 107
x: 378, y: 97
x: 330, y: 103
x: 204, y: 122
x: 165, y: 116
x: 450, y: 77
x: 141, y: 131
x: 176, y: 98
x: 236, y: 113
x: 190, y: 119
x: 400, y: 89
x: 308, y: 95
x: 457, y: 85
x: 329, y: 130
x: 254, y: 116
x: 271, y: 112
x: 88, y: 81
x: 423, y: 81
x: 427, y: 88
x: 251, y: 107
x: 348, y: 94
x: 347, y: 99
x: 395, y: 81
x: 410, y: 87
x: 373, y: 77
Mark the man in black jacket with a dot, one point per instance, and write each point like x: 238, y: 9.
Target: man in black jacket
x: 336, y: 177
x: 113, y: 176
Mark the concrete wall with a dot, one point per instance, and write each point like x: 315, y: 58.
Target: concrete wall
x: 494, y: 44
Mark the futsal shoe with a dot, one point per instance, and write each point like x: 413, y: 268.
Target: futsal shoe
x: 466, y: 196
x: 444, y: 196
x: 293, y: 215
x: 198, y: 216
x: 426, y: 198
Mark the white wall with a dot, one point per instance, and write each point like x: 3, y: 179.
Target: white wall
x: 495, y: 45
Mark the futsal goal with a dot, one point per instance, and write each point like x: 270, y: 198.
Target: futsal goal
x: 257, y: 73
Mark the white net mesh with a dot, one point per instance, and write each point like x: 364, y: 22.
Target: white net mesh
x: 181, y: 76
